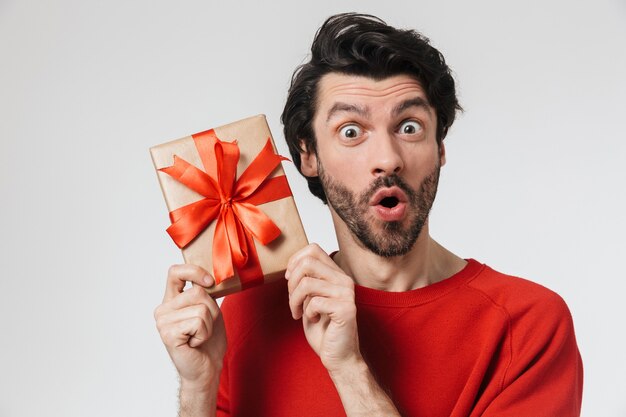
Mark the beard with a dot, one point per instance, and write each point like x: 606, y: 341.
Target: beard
x: 395, y: 238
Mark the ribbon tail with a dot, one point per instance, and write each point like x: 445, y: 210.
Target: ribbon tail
x: 222, y: 257
x: 258, y: 171
x: 192, y: 177
x: 250, y: 272
x: 275, y: 188
x: 233, y: 249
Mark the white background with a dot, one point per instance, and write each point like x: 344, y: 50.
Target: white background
x: 534, y: 184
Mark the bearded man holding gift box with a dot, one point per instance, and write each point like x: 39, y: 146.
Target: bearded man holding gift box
x: 393, y: 323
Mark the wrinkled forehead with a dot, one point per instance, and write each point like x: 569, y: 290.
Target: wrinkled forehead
x: 334, y: 84
x: 361, y: 91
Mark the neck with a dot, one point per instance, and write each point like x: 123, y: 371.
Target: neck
x: 426, y: 263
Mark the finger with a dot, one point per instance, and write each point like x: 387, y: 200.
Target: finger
x: 313, y: 250
x: 174, y: 316
x: 190, y: 297
x: 214, y: 308
x: 311, y: 287
x: 311, y: 267
x: 311, y: 318
x: 339, y: 311
x: 178, y: 275
x: 190, y: 331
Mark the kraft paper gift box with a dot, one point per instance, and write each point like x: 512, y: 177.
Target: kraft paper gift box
x: 218, y: 201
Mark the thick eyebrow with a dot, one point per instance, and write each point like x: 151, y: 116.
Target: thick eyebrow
x: 350, y: 108
x: 412, y: 102
x: 364, y: 111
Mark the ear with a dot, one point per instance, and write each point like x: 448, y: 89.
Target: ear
x: 308, y: 160
x: 442, y: 154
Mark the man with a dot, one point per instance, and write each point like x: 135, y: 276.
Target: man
x: 393, y: 323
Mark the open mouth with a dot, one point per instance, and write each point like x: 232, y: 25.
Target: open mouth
x: 389, y: 202
x: 388, y: 197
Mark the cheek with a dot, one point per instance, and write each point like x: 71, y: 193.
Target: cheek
x: 420, y: 165
x: 346, y: 171
x: 343, y: 163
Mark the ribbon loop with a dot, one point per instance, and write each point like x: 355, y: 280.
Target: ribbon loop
x: 256, y: 222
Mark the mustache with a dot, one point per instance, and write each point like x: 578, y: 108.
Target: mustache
x: 386, y: 182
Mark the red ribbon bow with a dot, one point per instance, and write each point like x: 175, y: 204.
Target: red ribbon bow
x: 233, y: 202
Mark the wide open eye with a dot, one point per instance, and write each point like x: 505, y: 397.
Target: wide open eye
x: 410, y: 127
x: 350, y: 131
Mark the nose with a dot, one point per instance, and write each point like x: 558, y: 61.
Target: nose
x: 386, y: 156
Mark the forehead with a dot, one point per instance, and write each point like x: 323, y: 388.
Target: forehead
x: 335, y: 87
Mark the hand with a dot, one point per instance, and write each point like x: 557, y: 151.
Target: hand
x: 323, y: 295
x: 191, y: 327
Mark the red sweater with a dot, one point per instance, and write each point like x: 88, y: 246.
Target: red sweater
x: 479, y: 343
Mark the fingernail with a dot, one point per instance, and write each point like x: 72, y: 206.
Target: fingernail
x: 287, y: 274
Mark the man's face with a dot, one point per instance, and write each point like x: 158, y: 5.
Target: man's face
x: 377, y: 158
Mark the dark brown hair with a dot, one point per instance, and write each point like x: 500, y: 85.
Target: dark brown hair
x: 359, y: 44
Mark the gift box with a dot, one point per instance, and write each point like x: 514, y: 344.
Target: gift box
x: 230, y: 205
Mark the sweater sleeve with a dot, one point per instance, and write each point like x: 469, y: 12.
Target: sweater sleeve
x: 544, y: 377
